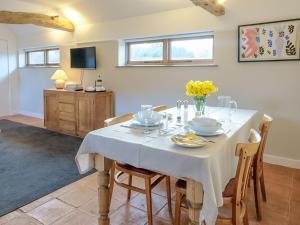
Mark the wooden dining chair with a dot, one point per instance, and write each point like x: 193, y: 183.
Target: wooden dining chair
x: 118, y: 119
x: 159, y: 108
x: 258, y: 172
x: 151, y: 178
x: 234, y: 211
x: 107, y: 123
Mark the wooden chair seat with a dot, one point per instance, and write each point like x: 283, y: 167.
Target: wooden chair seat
x: 229, y: 189
x: 126, y: 167
x: 228, y: 192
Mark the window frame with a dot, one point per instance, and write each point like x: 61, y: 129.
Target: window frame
x: 190, y: 61
x: 167, y: 51
x: 47, y: 57
x: 46, y: 63
x: 154, y: 62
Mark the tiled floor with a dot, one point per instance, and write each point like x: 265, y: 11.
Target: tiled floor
x: 76, y: 204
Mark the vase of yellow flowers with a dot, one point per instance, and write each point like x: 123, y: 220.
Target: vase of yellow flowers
x: 200, y: 90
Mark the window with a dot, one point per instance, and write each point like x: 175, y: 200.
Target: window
x: 171, y: 50
x: 42, y: 57
x: 53, y: 56
x: 151, y: 51
x: 191, y: 49
x: 36, y: 58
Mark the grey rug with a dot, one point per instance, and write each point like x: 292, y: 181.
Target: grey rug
x: 33, y: 163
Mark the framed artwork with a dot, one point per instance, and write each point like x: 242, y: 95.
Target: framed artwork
x: 271, y: 41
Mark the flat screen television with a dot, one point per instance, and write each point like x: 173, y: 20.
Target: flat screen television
x: 83, y: 58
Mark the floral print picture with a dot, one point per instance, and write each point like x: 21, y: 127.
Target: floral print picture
x: 269, y: 41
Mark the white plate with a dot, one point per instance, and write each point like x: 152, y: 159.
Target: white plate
x: 193, y: 144
x: 137, y: 123
x: 211, y: 134
x: 188, y: 146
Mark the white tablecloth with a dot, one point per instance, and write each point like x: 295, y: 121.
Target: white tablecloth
x: 213, y: 165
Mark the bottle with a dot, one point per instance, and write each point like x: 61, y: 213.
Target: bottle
x: 99, y: 85
x: 185, y: 112
x: 179, y: 103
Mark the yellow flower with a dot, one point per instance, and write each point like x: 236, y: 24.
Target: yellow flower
x: 200, y: 88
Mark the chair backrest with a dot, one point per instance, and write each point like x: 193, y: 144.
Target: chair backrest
x: 246, y: 153
x: 159, y: 108
x: 118, y: 119
x: 264, y: 128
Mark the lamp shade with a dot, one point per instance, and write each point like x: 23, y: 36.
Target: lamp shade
x: 59, y: 75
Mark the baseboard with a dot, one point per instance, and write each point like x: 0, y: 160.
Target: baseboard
x: 277, y: 160
x: 36, y: 115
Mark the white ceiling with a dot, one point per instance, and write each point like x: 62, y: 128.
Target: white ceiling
x: 91, y: 11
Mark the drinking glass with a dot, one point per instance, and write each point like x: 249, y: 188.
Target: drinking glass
x: 146, y: 116
x: 228, y: 107
x: 164, y: 125
x: 145, y: 108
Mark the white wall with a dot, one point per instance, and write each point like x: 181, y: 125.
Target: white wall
x: 268, y: 87
x: 32, y: 84
x: 9, y: 36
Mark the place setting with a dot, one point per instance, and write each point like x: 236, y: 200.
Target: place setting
x: 198, y: 132
x: 148, y: 121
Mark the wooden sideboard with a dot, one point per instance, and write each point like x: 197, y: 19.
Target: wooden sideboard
x: 76, y: 113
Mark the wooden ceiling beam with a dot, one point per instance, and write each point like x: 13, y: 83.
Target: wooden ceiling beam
x: 38, y: 19
x: 211, y: 6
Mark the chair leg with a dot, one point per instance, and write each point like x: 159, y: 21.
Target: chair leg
x: 250, y: 178
x: 256, y: 188
x: 111, y: 181
x: 169, y: 197
x: 149, y: 200
x: 263, y: 187
x: 130, y: 184
x: 246, y: 219
x: 177, y: 208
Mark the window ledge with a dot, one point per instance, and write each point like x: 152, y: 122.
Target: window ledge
x: 174, y: 65
x: 39, y: 67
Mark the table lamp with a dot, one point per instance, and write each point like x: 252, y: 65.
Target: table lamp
x: 60, y: 77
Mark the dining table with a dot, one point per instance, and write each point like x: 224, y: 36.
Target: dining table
x: 206, y: 169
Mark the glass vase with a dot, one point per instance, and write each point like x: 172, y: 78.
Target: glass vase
x: 199, y: 103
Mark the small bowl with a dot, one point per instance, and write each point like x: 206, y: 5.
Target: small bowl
x: 205, y: 122
x: 207, y: 125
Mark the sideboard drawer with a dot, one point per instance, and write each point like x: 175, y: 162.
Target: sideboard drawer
x: 68, y: 108
x: 67, y: 126
x: 67, y: 116
x: 66, y: 98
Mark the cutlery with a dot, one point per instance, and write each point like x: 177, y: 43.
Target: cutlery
x: 206, y: 140
x: 202, y: 138
x: 136, y: 128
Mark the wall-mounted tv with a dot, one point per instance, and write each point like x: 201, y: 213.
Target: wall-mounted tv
x: 83, y: 58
